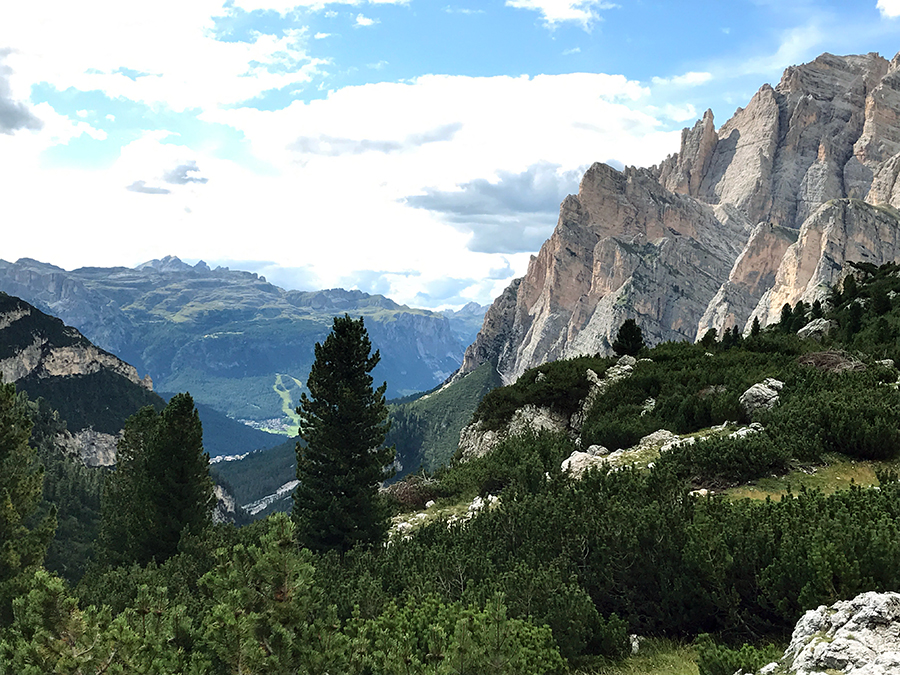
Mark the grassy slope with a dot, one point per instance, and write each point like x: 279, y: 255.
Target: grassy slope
x: 439, y: 417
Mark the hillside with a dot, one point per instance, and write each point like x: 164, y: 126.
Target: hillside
x: 424, y: 431
x: 236, y: 342
x: 628, y: 517
x: 767, y: 209
x: 92, y: 390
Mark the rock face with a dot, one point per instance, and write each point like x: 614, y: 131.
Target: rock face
x: 94, y: 391
x: 39, y: 346
x: 765, y: 210
x: 853, y: 637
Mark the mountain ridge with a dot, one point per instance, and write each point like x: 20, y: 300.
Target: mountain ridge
x: 227, y: 335
x: 765, y: 210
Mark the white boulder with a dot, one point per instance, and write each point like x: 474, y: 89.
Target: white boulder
x: 853, y: 637
x: 761, y: 396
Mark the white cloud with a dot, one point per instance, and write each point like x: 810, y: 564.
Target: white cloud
x: 559, y: 11
x: 889, y: 8
x: 794, y: 47
x: 574, y: 50
x: 181, y: 64
x: 363, y: 21
x: 286, y: 6
x: 680, y: 113
x: 462, y: 10
x: 355, y: 171
x: 690, y: 79
x: 333, y: 213
x: 321, y: 36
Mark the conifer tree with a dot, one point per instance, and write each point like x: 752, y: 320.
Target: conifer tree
x: 709, y: 338
x: 344, y: 423
x: 161, y: 485
x: 629, y: 339
x: 787, y: 316
x: 755, y: 328
x: 23, y: 543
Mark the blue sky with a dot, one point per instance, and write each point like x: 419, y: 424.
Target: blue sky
x: 417, y: 149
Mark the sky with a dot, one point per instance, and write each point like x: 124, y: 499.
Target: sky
x: 414, y: 148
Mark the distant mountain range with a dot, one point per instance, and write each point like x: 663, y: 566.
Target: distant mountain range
x: 237, y: 343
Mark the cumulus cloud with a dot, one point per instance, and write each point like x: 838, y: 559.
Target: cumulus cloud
x: 14, y: 115
x: 889, y: 8
x: 691, y: 79
x: 142, y: 187
x: 121, y: 56
x: 515, y: 213
x: 795, y: 45
x: 560, y: 11
x: 364, y: 21
x: 184, y: 174
x: 331, y: 146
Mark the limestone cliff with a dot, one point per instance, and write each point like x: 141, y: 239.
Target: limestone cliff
x: 764, y: 210
x: 40, y: 346
x: 93, y: 391
x: 838, y: 232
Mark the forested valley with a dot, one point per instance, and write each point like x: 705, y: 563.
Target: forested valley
x: 504, y: 563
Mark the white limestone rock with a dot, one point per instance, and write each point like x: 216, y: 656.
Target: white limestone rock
x: 761, y: 396
x: 816, y: 329
x: 854, y: 637
x: 579, y: 462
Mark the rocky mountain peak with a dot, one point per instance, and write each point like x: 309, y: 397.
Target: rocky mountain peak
x: 169, y: 263
x: 765, y: 209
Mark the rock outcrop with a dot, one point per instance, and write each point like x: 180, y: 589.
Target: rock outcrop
x: 94, y: 391
x: 853, y: 637
x: 476, y: 440
x: 625, y: 247
x: 766, y: 210
x: 53, y: 350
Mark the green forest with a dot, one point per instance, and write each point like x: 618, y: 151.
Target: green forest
x: 124, y: 571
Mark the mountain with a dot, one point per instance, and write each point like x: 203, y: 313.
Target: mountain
x: 767, y: 209
x: 234, y: 341
x: 92, y: 390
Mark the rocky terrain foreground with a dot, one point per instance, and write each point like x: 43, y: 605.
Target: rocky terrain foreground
x: 765, y: 210
x: 854, y: 637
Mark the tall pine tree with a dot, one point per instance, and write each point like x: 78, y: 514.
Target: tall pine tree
x: 23, y: 536
x: 160, y: 488
x: 344, y: 423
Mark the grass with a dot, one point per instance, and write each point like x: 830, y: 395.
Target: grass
x: 655, y: 657
x: 838, y: 473
x: 443, y: 509
x: 287, y: 402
